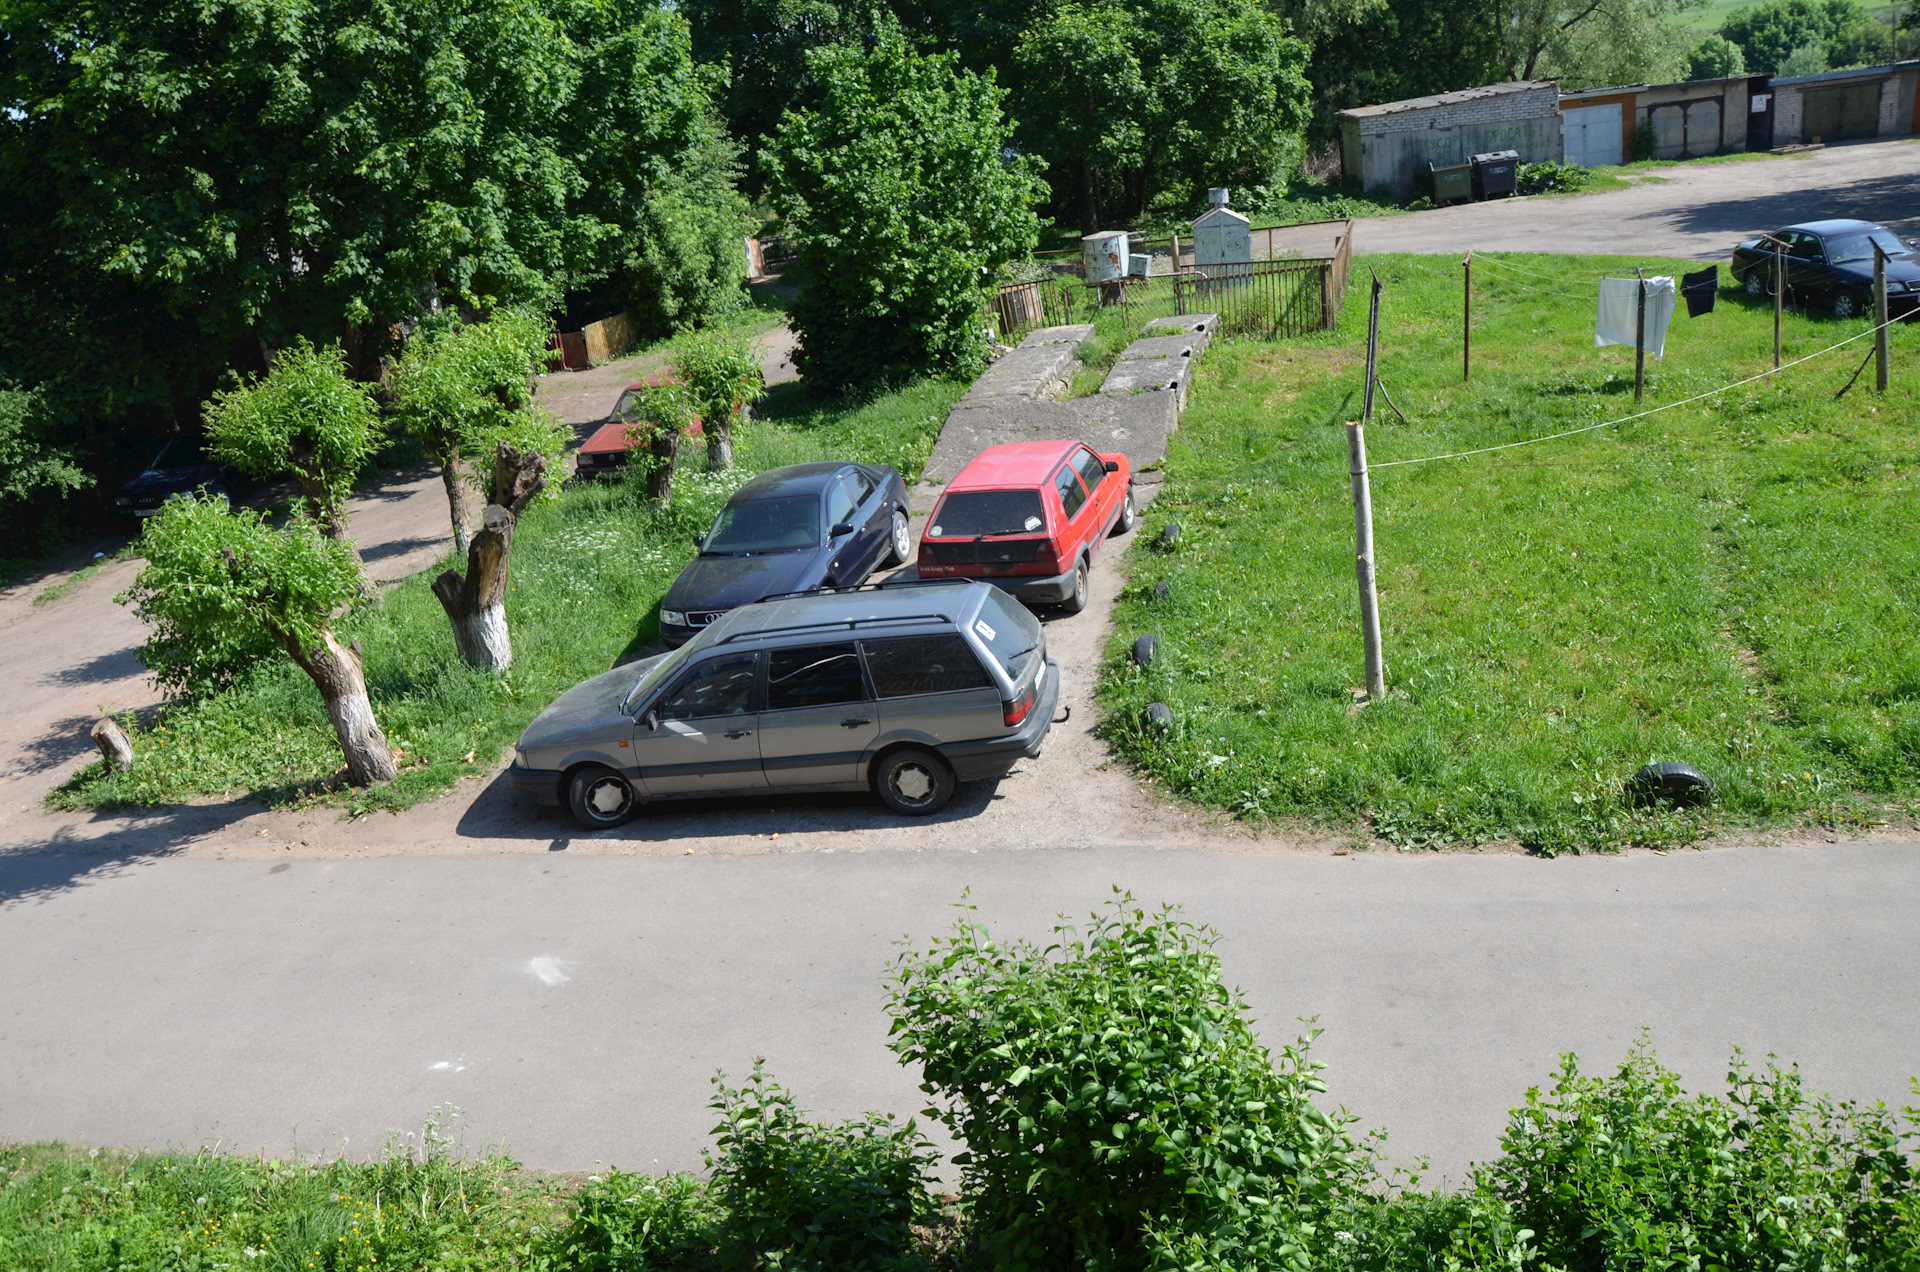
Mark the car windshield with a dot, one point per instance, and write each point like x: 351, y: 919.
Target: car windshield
x: 627, y: 409
x: 967, y: 514
x: 666, y: 666
x: 181, y: 452
x: 783, y: 524
x: 1859, y: 247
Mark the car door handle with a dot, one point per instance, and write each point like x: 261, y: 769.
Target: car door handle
x: 854, y: 722
x: 738, y: 733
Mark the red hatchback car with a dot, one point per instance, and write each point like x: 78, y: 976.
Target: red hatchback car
x: 1029, y: 517
x: 607, y: 449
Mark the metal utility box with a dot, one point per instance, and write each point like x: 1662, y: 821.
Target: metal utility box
x: 1495, y: 173
x: 1105, y: 256
x: 1221, y: 236
x: 1139, y: 264
x: 1452, y: 183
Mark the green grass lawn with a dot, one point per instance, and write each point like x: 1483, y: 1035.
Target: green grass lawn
x: 588, y: 572
x: 1732, y: 584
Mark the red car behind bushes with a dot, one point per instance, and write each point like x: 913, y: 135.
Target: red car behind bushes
x: 605, y: 452
x: 1029, y: 517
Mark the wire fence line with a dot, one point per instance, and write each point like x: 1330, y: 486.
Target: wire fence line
x: 1624, y: 419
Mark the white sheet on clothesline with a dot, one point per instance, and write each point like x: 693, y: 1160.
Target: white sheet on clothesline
x: 1619, y: 297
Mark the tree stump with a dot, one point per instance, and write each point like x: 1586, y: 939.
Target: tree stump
x: 115, y: 747
x: 476, y: 605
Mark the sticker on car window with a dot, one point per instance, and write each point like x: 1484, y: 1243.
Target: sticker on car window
x: 936, y: 532
x: 1033, y: 523
x: 980, y: 625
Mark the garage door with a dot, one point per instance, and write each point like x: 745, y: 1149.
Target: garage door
x: 1592, y: 134
x: 1840, y: 114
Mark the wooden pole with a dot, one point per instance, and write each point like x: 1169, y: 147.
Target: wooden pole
x: 1466, y: 323
x: 1880, y: 355
x: 1363, y: 515
x: 1640, y: 340
x: 1779, y: 295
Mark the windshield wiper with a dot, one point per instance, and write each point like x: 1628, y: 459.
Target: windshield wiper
x: 994, y: 534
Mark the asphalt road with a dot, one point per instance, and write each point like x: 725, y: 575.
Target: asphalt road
x: 1696, y: 210
x: 575, y: 1007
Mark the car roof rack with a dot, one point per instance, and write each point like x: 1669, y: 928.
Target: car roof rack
x: 836, y: 624
x: 859, y: 587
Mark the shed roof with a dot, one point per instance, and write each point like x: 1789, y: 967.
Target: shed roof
x: 1852, y: 72
x: 1450, y: 99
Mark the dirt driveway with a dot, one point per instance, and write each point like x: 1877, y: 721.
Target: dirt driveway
x: 1696, y: 210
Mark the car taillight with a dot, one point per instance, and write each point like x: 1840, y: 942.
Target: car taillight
x: 1017, y: 710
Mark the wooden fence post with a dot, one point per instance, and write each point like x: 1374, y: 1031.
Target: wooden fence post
x: 1640, y: 340
x: 1466, y: 323
x: 1779, y: 296
x: 1880, y: 352
x: 1363, y: 515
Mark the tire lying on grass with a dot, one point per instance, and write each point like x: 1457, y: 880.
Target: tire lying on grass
x: 1681, y: 785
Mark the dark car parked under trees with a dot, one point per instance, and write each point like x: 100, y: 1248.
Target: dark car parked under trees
x: 791, y: 530
x: 1832, y: 262
x: 181, y: 468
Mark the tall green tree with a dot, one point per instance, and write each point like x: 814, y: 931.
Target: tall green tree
x: 1770, y: 32
x: 902, y: 190
x: 1396, y: 49
x: 1585, y: 43
x: 1085, y: 100
x: 1715, y: 57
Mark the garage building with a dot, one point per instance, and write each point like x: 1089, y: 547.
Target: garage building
x: 1390, y: 146
x: 1689, y: 120
x: 1865, y: 101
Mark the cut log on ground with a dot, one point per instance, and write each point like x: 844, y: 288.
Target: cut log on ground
x: 115, y: 747
x: 338, y: 672
x: 476, y: 605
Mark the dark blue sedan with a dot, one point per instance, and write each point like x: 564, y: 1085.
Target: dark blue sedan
x: 1832, y: 261
x: 791, y: 529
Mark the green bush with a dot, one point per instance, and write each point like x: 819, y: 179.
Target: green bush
x: 624, y: 1223
x: 1117, y: 1108
x: 1553, y: 178
x: 1632, y: 1172
x: 902, y: 193
x: 803, y: 1195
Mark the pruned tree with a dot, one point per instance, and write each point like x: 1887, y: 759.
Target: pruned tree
x: 222, y: 591
x: 723, y: 378
x: 305, y: 417
x: 458, y: 384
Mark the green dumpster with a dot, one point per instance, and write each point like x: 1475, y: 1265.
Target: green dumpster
x: 1451, y: 184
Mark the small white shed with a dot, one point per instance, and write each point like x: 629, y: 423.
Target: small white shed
x: 1221, y: 237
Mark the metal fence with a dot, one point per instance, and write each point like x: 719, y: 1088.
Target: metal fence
x: 1288, y: 295
x: 1018, y: 308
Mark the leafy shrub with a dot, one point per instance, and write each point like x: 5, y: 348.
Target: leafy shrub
x: 1630, y: 1171
x: 624, y: 1222
x: 1553, y: 178
x: 724, y: 378
x: 901, y: 194
x: 805, y: 1195
x: 686, y: 262
x: 1715, y: 57
x: 1116, y: 1106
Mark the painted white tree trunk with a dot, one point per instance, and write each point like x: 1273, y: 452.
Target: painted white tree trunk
x: 476, y: 604
x: 482, y: 637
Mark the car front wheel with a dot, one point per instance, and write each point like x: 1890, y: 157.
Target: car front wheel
x: 1756, y: 282
x: 913, y: 782
x: 1846, y: 304
x: 1124, y: 522
x: 900, y: 541
x: 600, y: 798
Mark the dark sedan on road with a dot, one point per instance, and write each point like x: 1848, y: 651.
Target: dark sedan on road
x: 1832, y: 261
x: 790, y: 529
x: 182, y: 467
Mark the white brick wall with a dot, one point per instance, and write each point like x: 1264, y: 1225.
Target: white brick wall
x: 1396, y: 147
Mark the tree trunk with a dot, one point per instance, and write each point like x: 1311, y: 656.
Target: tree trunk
x: 477, y: 604
x: 333, y: 523
x: 456, y: 498
x: 338, y: 672
x: 663, y: 446
x: 719, y: 444
x: 1089, y: 207
x: 114, y: 746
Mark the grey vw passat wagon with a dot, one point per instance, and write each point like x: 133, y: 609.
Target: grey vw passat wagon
x: 904, y: 689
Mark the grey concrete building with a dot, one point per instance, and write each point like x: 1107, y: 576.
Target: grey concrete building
x: 1389, y: 146
x: 1864, y: 101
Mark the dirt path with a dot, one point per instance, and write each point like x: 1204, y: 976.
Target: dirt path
x: 1697, y: 210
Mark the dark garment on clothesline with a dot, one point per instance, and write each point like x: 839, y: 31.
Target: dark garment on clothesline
x: 1700, y: 289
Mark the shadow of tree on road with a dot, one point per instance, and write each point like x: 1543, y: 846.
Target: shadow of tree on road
x: 77, y: 856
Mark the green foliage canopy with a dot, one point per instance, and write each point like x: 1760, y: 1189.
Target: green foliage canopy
x: 223, y: 590
x: 458, y: 384
x: 1771, y: 32
x: 306, y: 416
x: 30, y: 463
x: 902, y: 192
x: 1715, y: 57
x: 721, y: 374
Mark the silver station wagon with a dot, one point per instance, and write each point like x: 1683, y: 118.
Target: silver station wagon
x: 904, y: 689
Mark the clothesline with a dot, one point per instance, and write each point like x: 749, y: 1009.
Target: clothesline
x: 1572, y: 432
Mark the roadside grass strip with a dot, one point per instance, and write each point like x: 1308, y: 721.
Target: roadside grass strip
x: 1731, y: 583
x: 588, y: 572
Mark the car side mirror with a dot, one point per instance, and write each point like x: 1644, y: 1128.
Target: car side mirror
x: 699, y: 540
x: 844, y: 528
x: 652, y: 721
x: 1112, y: 467
x: 1817, y: 259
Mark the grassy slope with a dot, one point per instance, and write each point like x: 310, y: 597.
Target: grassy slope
x: 588, y: 573
x: 1731, y: 584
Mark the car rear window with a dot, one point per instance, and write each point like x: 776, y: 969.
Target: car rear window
x: 766, y: 525
x: 1010, y: 631
x: 966, y: 514
x: 905, y: 665
x: 813, y: 676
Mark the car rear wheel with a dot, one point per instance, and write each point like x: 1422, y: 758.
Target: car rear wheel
x: 600, y: 797
x: 1846, y: 304
x: 218, y: 490
x: 1756, y: 281
x: 913, y: 782
x: 1124, y: 522
x: 900, y: 541
x: 1078, y: 601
